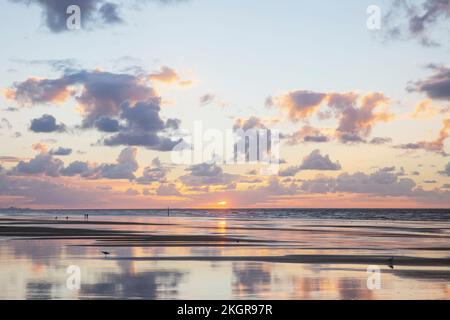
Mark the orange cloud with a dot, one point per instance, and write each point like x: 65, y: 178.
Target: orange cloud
x: 356, y: 114
x: 168, y: 75
x: 435, y: 145
x: 424, y: 109
x: 299, y: 103
x: 40, y: 147
x: 35, y: 90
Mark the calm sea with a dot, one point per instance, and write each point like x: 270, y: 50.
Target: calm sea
x: 297, y: 213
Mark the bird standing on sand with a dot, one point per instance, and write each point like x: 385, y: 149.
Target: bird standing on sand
x: 105, y: 253
x: 391, y: 262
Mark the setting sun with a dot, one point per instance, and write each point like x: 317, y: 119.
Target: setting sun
x: 222, y: 203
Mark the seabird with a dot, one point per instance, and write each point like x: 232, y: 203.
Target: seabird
x: 391, y: 262
x: 105, y: 253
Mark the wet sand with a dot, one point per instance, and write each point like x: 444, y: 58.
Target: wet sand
x: 14, y: 228
x: 413, y: 252
x: 312, y: 259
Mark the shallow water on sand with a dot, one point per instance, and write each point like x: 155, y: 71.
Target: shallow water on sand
x: 222, y: 257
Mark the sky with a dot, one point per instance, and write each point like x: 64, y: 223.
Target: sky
x: 90, y: 114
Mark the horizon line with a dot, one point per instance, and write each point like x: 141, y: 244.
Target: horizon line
x: 236, y: 208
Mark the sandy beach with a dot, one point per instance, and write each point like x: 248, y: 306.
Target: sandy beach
x: 182, y: 257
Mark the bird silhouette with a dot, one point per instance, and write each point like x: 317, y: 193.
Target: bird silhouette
x: 391, y: 262
x: 105, y: 253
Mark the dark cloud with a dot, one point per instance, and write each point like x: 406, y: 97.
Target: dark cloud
x: 173, y: 124
x: 105, y: 92
x: 306, y: 134
x: 436, y: 145
x: 382, y: 182
x: 205, y: 170
x: 446, y: 171
x: 247, y: 124
x: 124, y: 168
x: 356, y: 122
x: 32, y: 190
x: 207, y: 174
x: 42, y: 164
x: 289, y: 171
x: 148, y: 140
x: 350, y: 138
x: 131, y: 192
x: 157, y: 172
x: 143, y: 127
x: 78, y: 168
x: 320, y: 184
x: 380, y: 140
x: 105, y: 124
x: 61, y: 151
x: 45, y: 164
x: 93, y: 13
x: 313, y: 161
x: 54, y: 12
x: 45, y: 124
x: 143, y: 115
x: 437, y: 86
x: 167, y: 189
x: 110, y: 13
x: 107, y: 99
x: 416, y: 20
x: 299, y: 104
x: 318, y: 138
x: 206, y: 99
x: 102, y: 92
